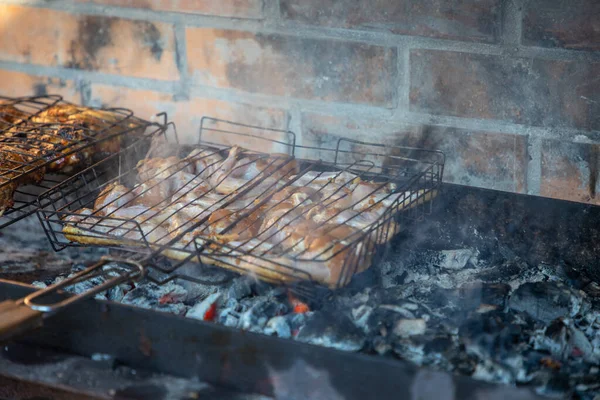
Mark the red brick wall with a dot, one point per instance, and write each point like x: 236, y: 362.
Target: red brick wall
x: 509, y: 89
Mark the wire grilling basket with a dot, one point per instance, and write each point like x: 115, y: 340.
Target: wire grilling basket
x: 279, y: 218
x: 44, y: 139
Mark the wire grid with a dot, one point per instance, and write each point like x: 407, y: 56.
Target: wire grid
x: 19, y: 110
x: 44, y: 139
x: 198, y: 239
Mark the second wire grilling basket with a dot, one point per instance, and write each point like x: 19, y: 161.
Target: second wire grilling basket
x: 44, y: 139
x: 275, y: 216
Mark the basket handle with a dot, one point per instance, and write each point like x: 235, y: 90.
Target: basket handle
x: 18, y: 316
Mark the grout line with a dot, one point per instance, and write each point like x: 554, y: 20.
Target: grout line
x: 511, y: 23
x: 92, y: 76
x: 534, y: 167
x: 403, y: 84
x: 271, y: 12
x: 85, y: 91
x: 182, y: 90
x: 295, y: 124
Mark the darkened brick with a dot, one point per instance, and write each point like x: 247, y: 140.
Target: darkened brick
x: 187, y: 114
x: 96, y: 43
x: 222, y: 8
x: 16, y: 84
x: 284, y: 65
x: 475, y: 158
x: 452, y: 19
x: 570, y: 171
x: 573, y: 24
x: 521, y: 90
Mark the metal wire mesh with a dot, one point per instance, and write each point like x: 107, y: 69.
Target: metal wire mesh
x: 44, y: 139
x: 290, y: 220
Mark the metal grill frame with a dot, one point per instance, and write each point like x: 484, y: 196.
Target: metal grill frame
x: 82, y: 189
x: 22, y: 135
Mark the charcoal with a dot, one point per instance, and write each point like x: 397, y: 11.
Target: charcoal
x: 278, y: 326
x: 240, y: 287
x: 491, y: 371
x: 329, y: 330
x: 381, y: 345
x: 464, y: 362
x: 296, y: 321
x: 471, y: 296
x: 256, y: 317
x: 496, y: 334
x: 361, y: 316
x: 439, y: 344
x: 502, y: 272
x: 202, y: 309
x: 409, y: 327
x: 167, y: 298
x: 546, y: 301
x: 454, y: 259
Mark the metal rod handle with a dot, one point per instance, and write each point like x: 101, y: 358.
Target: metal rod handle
x: 17, y: 316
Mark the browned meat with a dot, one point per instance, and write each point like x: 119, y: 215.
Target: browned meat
x: 57, y: 139
x: 9, y: 115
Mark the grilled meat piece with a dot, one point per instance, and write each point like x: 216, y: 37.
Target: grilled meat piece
x: 322, y: 226
x: 10, y: 115
x: 55, y: 140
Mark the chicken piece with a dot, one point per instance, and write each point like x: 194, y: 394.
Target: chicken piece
x: 17, y: 167
x: 152, y: 193
x: 113, y: 196
x: 278, y: 166
x: 206, y: 200
x: 95, y: 119
x: 252, y: 246
x: 184, y: 182
x: 380, y: 202
x: 335, y: 196
x: 244, y: 227
x: 10, y: 115
x: 296, y: 195
x: 231, y: 176
x: 316, y: 178
x: 161, y: 168
x: 280, y: 222
x: 206, y: 162
x: 321, y: 263
x: 364, y: 190
x: 381, y: 229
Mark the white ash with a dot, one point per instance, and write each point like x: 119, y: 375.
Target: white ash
x: 410, y: 327
x: 166, y: 298
x: 502, y: 321
x: 278, y: 326
x: 109, y: 271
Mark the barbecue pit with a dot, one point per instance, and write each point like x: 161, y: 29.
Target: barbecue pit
x: 461, y: 113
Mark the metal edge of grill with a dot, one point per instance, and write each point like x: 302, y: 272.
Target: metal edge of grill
x: 81, y: 190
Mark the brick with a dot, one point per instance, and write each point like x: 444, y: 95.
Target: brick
x: 283, y: 65
x: 474, y: 158
x: 570, y: 171
x: 251, y: 9
x: 463, y: 20
x: 187, y: 114
x: 18, y: 84
x: 525, y: 91
x: 111, y: 45
x: 555, y: 23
